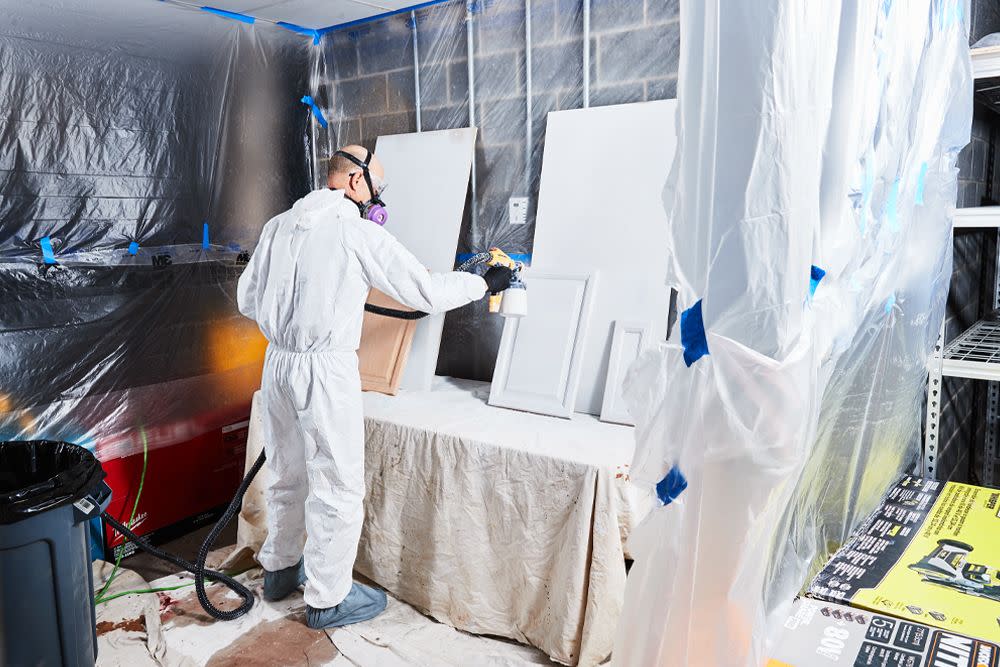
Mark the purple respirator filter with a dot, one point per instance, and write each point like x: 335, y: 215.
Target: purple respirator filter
x: 377, y: 214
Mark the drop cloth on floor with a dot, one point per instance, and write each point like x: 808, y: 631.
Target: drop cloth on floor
x: 493, y: 521
x: 169, y: 629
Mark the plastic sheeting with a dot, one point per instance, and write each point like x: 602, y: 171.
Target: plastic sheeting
x: 810, y: 134
x: 128, y: 125
x: 501, y: 66
x: 142, y: 146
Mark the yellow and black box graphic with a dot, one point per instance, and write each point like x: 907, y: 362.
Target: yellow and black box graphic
x: 930, y: 552
x: 820, y: 633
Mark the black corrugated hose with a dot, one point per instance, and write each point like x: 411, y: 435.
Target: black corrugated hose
x: 392, y: 312
x: 198, y: 568
x: 480, y: 258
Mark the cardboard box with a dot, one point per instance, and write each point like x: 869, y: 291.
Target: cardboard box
x: 820, y: 633
x: 928, y: 553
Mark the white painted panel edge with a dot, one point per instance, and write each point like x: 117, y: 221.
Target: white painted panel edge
x: 558, y: 406
x: 625, y: 244
x: 421, y: 366
x: 613, y: 408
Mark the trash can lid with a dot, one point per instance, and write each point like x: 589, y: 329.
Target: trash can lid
x: 39, y: 475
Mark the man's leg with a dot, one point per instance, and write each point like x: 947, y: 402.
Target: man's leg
x: 335, y: 466
x: 287, y: 487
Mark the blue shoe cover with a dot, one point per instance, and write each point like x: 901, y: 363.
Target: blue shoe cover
x: 279, y: 585
x: 363, y: 603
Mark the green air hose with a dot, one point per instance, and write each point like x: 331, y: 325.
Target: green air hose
x: 198, y: 568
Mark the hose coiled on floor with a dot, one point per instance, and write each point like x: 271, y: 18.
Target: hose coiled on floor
x: 198, y: 568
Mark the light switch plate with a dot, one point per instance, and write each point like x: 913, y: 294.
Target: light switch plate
x: 517, y: 209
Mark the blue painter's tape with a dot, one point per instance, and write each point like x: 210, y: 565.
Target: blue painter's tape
x: 671, y: 486
x: 815, y: 275
x: 204, y: 236
x: 889, y: 303
x: 918, y: 198
x: 892, y: 206
x: 466, y: 256
x: 307, y: 99
x: 693, y: 334
x: 236, y: 16
x: 47, y: 255
x: 302, y: 30
x: 133, y: 248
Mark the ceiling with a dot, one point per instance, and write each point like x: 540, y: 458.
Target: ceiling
x: 314, y: 13
x: 173, y: 29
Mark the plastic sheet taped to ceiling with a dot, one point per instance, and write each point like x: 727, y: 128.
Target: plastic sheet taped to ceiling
x: 129, y: 126
x: 140, y: 151
x: 810, y: 134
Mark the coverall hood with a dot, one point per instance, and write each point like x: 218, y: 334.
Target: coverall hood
x: 318, y: 206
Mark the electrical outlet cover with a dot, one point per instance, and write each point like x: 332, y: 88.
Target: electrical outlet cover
x: 517, y: 209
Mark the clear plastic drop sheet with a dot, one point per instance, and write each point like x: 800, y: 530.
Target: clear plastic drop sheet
x: 810, y: 135
x: 501, y: 66
x: 143, y: 146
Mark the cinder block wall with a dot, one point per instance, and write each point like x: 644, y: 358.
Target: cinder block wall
x: 634, y: 47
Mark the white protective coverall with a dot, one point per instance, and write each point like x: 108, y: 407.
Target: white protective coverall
x: 306, y: 286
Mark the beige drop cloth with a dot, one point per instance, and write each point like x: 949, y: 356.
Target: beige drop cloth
x: 169, y: 629
x: 493, y: 521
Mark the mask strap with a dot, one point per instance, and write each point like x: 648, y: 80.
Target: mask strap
x: 364, y: 172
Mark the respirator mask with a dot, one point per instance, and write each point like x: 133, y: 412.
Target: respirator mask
x: 374, y: 209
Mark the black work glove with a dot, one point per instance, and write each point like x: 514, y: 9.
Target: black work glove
x: 498, y: 279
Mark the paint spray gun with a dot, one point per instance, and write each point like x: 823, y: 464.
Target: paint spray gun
x: 513, y: 302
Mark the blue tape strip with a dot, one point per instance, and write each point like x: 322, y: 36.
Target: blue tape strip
x: 671, y: 486
x: 815, y: 275
x: 693, y: 334
x: 466, y: 256
x: 133, y: 248
x: 47, y: 253
x: 889, y: 303
x: 302, y: 30
x: 918, y: 198
x: 307, y: 99
x: 236, y: 16
x: 204, y: 236
x: 892, y: 206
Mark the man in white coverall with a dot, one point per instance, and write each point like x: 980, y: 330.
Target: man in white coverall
x: 306, y: 286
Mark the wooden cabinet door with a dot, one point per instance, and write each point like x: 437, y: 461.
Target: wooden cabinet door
x: 385, y: 345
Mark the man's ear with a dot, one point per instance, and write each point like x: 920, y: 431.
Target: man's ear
x: 354, y: 180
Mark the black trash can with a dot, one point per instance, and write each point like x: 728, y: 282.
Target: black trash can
x: 48, y: 492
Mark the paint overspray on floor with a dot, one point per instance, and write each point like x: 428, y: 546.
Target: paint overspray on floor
x: 170, y: 629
